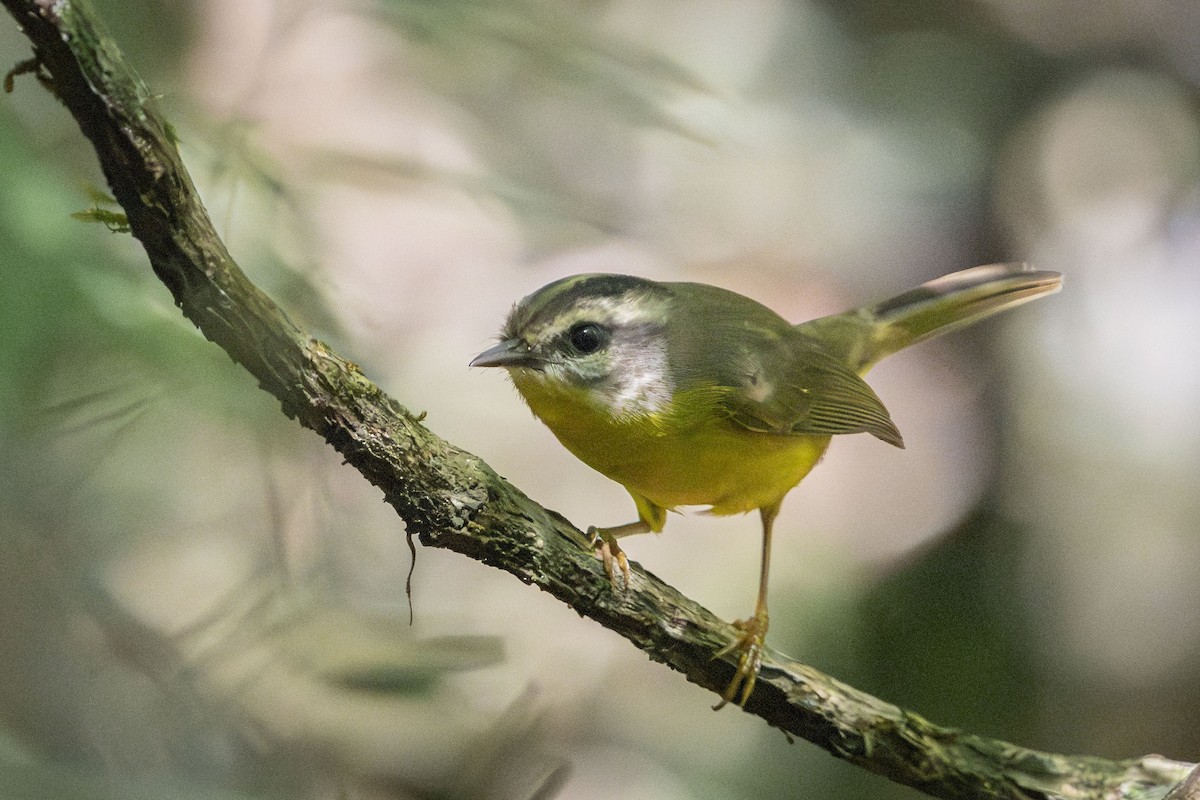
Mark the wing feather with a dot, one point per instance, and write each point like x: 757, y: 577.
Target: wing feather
x: 803, y: 390
x: 765, y: 374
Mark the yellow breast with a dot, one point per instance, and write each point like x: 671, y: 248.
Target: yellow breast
x: 690, y: 453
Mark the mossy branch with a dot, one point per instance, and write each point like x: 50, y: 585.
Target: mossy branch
x: 451, y: 499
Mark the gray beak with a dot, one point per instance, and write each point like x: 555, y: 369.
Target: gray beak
x: 509, y: 353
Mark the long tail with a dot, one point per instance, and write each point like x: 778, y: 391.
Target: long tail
x: 942, y: 305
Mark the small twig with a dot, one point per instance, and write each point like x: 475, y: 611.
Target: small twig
x: 29, y: 65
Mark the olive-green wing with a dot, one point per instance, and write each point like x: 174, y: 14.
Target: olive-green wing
x: 802, y: 389
x: 769, y: 375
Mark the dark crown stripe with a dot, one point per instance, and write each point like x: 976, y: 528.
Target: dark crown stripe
x: 555, y: 298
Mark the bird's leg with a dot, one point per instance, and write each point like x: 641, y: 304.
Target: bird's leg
x: 753, y: 631
x: 604, y: 540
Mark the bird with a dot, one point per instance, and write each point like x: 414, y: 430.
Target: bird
x: 688, y: 394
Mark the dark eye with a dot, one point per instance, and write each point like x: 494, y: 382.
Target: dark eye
x: 587, y: 337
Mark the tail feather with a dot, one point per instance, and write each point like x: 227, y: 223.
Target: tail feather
x: 961, y: 298
x: 942, y: 305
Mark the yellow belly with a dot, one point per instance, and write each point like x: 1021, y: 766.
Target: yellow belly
x: 698, y: 458
x: 731, y: 470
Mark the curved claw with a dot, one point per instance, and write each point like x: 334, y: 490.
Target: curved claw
x: 749, y: 644
x: 611, y: 554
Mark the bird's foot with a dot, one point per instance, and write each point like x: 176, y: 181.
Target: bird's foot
x: 608, y: 551
x: 749, y: 645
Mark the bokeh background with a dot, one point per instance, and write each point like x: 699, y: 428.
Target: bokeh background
x: 198, y: 600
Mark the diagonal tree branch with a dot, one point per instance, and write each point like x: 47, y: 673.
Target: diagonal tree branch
x: 1189, y: 789
x: 451, y: 499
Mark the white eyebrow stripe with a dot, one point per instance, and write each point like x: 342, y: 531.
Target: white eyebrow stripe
x: 614, y: 311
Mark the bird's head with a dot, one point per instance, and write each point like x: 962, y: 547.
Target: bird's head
x: 597, y: 336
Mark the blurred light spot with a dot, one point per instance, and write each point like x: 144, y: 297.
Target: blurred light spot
x: 1102, y: 184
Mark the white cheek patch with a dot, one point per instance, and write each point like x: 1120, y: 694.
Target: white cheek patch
x: 641, y: 383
